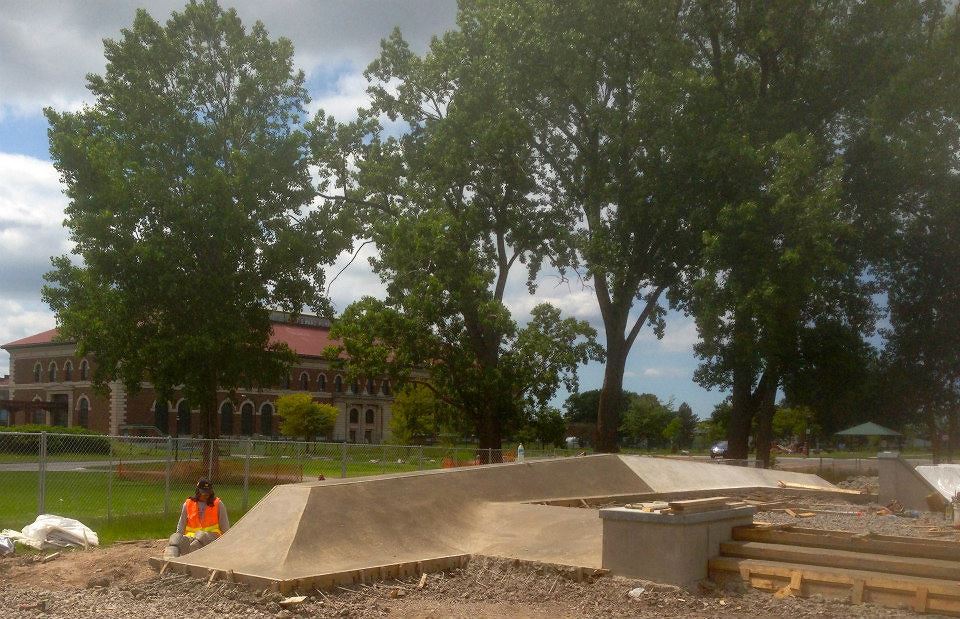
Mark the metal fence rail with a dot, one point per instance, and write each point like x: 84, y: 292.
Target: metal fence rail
x: 100, y: 478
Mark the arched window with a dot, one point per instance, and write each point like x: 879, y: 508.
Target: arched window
x: 321, y: 382
x: 385, y: 387
x: 338, y: 384
x: 52, y: 372
x: 183, y: 418
x: 304, y: 381
x: 370, y: 385
x: 286, y: 382
x: 226, y: 417
x: 266, y: 419
x: 84, y: 367
x: 354, y: 416
x: 39, y: 417
x: 68, y: 371
x: 354, y: 387
x: 37, y: 372
x: 161, y: 416
x: 246, y: 419
x: 83, y: 413
x: 369, y: 415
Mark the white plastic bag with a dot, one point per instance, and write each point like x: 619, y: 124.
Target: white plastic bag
x: 60, y: 531
x: 6, y: 546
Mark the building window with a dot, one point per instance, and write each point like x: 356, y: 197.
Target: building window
x: 354, y: 416
x: 83, y: 413
x: 246, y: 419
x: 161, y: 416
x: 59, y: 414
x: 321, y: 382
x: 52, y: 372
x: 286, y: 382
x: 369, y: 415
x: 304, y: 382
x: 368, y: 436
x: 353, y: 436
x: 226, y: 418
x: 84, y: 366
x: 338, y: 384
x: 39, y: 417
x: 354, y: 387
x: 266, y: 419
x: 370, y: 385
x: 37, y: 372
x: 183, y: 418
x: 68, y: 371
x: 385, y: 387
x: 4, y: 417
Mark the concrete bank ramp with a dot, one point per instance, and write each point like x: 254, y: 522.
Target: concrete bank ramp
x: 327, y: 533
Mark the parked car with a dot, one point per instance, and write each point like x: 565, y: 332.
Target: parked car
x: 719, y: 450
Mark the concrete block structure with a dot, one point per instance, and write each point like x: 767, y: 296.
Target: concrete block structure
x: 667, y: 548
x: 45, y: 368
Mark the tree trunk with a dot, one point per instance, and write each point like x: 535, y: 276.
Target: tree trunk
x: 766, y: 399
x: 741, y: 415
x: 611, y: 396
x: 211, y: 431
x: 934, y: 437
x: 952, y: 428
x: 490, y: 433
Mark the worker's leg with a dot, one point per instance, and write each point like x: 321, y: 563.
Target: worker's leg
x: 204, y: 537
x: 177, y: 545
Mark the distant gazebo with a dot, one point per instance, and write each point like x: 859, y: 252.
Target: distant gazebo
x: 868, y: 429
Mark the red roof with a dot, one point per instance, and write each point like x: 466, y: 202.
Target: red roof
x: 46, y: 337
x: 307, y: 341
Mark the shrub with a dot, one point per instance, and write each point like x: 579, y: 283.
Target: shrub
x: 26, y: 440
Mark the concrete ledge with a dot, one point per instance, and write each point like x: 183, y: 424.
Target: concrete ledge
x: 623, y: 513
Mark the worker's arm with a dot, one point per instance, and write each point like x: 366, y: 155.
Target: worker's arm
x: 183, y: 519
x: 223, y: 519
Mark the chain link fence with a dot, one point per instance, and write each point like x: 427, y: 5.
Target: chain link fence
x: 103, y: 478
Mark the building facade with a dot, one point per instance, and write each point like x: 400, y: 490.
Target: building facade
x: 44, y: 369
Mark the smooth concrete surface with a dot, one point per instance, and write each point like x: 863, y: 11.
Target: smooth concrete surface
x: 944, y: 478
x: 668, y: 548
x: 900, y: 480
x: 301, y: 530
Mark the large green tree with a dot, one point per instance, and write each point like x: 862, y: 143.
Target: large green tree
x: 796, y: 84
x: 186, y: 180
x: 619, y: 119
x: 452, y: 210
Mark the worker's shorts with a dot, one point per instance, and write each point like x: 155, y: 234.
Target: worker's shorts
x: 181, y: 544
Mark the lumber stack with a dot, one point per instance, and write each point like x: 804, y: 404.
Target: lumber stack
x: 921, y: 574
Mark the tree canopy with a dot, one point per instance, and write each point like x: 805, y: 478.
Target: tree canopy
x: 305, y: 418
x: 187, y: 179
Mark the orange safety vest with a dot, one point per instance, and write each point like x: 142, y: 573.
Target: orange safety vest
x: 210, y: 521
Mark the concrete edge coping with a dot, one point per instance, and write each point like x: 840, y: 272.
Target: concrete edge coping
x: 635, y: 515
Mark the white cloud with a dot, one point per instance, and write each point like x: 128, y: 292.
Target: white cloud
x: 46, y: 50
x: 18, y: 321
x: 664, y: 372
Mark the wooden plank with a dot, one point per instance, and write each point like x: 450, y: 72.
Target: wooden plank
x: 792, y: 485
x: 699, y: 504
x: 942, y: 596
x: 856, y: 596
x: 890, y: 564
x: 920, y: 602
x: 843, y: 540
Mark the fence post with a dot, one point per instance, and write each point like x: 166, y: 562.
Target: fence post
x: 489, y: 455
x: 343, y: 458
x: 42, y: 471
x: 383, y: 458
x: 210, y: 460
x: 246, y: 474
x: 419, y: 457
x: 110, y: 486
x: 169, y: 471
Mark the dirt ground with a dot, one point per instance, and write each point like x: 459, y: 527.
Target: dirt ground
x: 118, y: 582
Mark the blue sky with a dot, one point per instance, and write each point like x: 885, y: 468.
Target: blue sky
x: 44, y: 57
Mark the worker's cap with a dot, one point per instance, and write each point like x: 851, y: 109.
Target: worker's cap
x: 204, y: 485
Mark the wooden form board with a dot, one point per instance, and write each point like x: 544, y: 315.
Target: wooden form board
x: 889, y: 564
x: 843, y: 540
x: 699, y: 505
x: 858, y: 586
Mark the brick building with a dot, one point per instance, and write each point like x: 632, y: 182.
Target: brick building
x: 44, y: 369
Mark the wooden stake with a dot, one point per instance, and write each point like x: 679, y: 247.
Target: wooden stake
x: 213, y: 574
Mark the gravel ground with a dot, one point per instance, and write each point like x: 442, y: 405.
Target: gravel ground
x: 484, y: 588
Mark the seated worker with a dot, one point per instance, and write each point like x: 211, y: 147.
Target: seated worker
x: 202, y: 520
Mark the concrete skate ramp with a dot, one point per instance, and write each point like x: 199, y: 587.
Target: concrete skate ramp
x: 298, y: 532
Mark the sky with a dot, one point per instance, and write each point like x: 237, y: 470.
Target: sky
x: 47, y: 49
